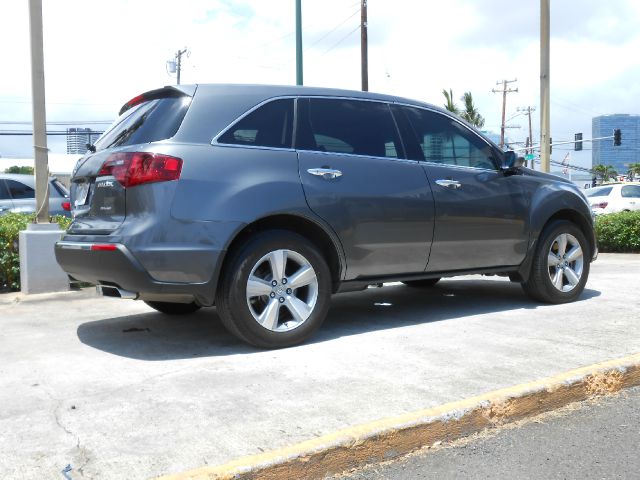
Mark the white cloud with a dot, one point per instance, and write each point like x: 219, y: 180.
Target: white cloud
x: 100, y: 53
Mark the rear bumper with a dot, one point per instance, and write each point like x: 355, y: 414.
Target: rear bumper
x: 116, y: 266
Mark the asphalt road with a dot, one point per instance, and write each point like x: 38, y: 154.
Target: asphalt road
x: 118, y: 390
x: 596, y: 440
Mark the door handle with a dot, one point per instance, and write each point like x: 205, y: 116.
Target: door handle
x: 449, y: 183
x: 326, y: 173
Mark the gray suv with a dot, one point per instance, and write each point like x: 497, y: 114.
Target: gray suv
x: 266, y: 200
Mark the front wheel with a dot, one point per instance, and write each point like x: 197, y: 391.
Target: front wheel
x: 275, y: 291
x: 561, y: 264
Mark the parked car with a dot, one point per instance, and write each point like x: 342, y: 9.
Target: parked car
x: 614, y: 197
x: 17, y: 194
x: 266, y: 200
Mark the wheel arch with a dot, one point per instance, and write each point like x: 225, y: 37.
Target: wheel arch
x: 570, y: 214
x: 319, y: 235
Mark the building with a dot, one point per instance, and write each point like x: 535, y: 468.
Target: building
x: 604, y: 152
x: 78, y: 138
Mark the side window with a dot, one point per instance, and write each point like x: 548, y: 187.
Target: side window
x: 4, y: 193
x: 631, y: 191
x: 443, y: 140
x: 20, y: 191
x: 268, y: 126
x: 347, y: 126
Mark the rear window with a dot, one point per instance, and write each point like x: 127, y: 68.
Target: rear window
x: 19, y: 190
x: 60, y: 188
x: 598, y: 192
x: 150, y: 121
x: 631, y: 191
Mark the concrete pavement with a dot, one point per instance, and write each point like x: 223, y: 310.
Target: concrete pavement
x: 120, y: 391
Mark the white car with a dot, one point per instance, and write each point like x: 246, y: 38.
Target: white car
x: 614, y: 197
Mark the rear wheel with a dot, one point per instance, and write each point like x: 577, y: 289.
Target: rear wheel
x: 426, y: 283
x: 561, y: 264
x: 174, y: 308
x: 275, y: 291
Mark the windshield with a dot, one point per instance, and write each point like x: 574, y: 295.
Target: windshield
x: 598, y: 191
x: 150, y: 121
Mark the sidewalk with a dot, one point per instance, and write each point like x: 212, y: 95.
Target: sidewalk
x: 119, y: 391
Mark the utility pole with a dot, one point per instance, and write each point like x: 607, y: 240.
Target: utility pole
x: 39, y: 112
x: 364, y: 53
x: 299, y: 80
x: 527, y: 111
x: 504, y: 92
x: 179, y: 54
x: 545, y: 116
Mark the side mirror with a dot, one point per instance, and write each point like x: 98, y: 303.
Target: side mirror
x: 511, y: 161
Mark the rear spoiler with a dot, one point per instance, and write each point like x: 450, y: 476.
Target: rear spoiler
x: 165, y: 92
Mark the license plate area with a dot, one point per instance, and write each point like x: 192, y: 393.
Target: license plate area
x: 81, y: 192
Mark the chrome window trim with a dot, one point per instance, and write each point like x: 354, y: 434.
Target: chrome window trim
x: 252, y: 147
x: 358, y: 155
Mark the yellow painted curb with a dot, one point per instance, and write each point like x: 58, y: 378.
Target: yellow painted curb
x: 392, y: 437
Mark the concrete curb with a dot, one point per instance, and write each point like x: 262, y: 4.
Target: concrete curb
x: 392, y: 437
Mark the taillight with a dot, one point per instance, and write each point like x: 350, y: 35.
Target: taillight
x: 66, y: 206
x: 135, y: 168
x: 600, y: 205
x: 103, y: 247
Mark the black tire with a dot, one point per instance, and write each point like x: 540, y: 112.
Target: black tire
x: 426, y: 283
x: 237, y: 310
x: 539, y: 285
x: 174, y: 308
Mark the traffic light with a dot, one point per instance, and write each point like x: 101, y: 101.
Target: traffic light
x: 550, y: 145
x: 617, y: 137
x: 578, y: 145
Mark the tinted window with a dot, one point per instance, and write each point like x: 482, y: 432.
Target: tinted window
x: 268, y: 126
x: 598, y: 192
x: 19, y: 190
x: 59, y: 188
x: 631, y: 191
x: 443, y: 140
x: 4, y: 193
x: 347, y: 126
x: 148, y: 122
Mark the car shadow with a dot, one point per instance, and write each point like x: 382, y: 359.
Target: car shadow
x: 155, y: 336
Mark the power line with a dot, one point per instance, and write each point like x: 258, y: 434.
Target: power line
x: 342, y: 39
x: 21, y: 133
x: 67, y: 122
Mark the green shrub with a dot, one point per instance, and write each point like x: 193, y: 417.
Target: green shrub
x: 10, y: 226
x: 619, y: 232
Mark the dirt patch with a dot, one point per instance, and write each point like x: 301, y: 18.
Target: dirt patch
x: 605, y: 383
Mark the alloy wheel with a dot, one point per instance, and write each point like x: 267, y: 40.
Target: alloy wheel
x: 565, y: 262
x: 282, y: 290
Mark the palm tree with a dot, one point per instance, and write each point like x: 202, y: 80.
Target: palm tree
x: 470, y: 112
x: 450, y: 105
x: 634, y: 170
x: 605, y: 172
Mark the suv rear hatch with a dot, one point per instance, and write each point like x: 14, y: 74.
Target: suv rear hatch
x: 120, y: 159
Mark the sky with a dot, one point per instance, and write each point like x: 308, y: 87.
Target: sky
x: 101, y: 53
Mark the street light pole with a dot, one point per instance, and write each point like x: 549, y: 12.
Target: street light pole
x: 545, y: 117
x: 299, y: 79
x: 179, y: 63
x: 364, y: 47
x: 39, y: 112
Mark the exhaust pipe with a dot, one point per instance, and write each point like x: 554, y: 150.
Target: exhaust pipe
x: 111, y: 291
